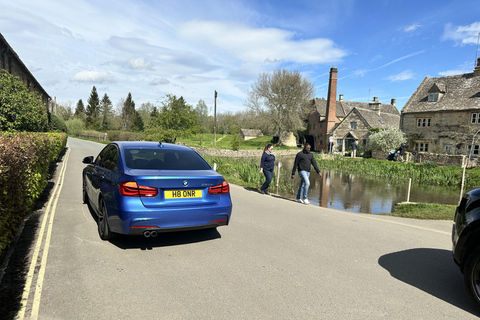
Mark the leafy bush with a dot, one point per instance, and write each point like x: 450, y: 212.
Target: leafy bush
x: 125, y: 136
x: 57, y: 124
x: 386, y: 140
x: 75, y: 126
x: 24, y: 162
x: 20, y: 109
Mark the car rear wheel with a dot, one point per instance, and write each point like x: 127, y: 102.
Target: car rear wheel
x: 471, y: 275
x: 103, y: 227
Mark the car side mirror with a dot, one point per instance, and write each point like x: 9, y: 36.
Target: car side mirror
x: 88, y: 160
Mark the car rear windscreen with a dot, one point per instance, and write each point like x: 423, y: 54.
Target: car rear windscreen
x: 155, y: 159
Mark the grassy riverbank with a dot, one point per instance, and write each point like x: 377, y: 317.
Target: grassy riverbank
x: 426, y: 173
x: 426, y: 211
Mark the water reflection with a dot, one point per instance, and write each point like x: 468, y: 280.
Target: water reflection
x: 348, y: 192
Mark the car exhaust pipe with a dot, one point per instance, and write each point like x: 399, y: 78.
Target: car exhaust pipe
x: 147, y: 234
x: 153, y: 234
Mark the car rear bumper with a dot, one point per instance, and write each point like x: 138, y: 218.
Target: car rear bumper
x: 139, y: 230
x: 136, y: 219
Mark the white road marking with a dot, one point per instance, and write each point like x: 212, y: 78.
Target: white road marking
x: 48, y: 216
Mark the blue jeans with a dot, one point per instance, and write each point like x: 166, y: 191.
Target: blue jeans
x: 304, y: 185
x: 268, y: 178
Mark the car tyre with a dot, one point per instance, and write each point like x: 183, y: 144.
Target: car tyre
x: 471, y: 275
x: 103, y: 227
x: 84, y: 191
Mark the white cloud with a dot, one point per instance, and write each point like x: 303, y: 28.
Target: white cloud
x: 159, y: 82
x: 402, y: 76
x: 467, y: 67
x: 261, y: 45
x: 140, y: 63
x: 92, y: 76
x: 412, y: 27
x: 462, y: 34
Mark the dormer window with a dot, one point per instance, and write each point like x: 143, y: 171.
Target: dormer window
x: 436, y: 92
x: 433, y: 97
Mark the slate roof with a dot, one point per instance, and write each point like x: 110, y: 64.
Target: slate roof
x: 382, y: 120
x: 462, y: 92
x: 22, y: 65
x: 321, y: 107
x: 345, y: 107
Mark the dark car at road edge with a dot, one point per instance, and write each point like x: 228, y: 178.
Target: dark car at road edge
x: 466, y: 242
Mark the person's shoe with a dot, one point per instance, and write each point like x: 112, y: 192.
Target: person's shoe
x: 306, y: 201
x: 300, y: 200
x: 266, y: 192
x: 262, y: 192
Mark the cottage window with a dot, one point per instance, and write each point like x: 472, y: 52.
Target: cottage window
x: 475, y: 150
x: 433, y: 97
x: 448, y: 148
x: 424, y: 122
x: 475, y: 118
x: 353, y: 125
x: 421, y: 146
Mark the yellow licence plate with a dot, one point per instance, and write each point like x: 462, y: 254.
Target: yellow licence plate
x: 182, y: 194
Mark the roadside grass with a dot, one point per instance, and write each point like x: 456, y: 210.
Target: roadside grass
x: 424, y: 211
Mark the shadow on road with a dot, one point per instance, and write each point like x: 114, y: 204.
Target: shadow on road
x: 430, y: 270
x: 165, y: 239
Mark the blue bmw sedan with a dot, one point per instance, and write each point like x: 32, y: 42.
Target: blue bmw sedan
x: 143, y: 188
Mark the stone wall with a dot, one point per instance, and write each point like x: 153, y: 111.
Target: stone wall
x: 242, y: 153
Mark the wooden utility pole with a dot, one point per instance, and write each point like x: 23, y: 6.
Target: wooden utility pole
x: 215, y: 121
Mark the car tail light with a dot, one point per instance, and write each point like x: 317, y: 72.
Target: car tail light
x: 220, y: 189
x: 132, y: 189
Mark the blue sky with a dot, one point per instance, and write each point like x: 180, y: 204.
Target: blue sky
x: 191, y: 48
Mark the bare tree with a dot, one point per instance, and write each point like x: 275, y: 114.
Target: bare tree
x: 283, y: 97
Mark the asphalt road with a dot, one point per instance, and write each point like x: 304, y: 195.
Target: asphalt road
x: 277, y: 259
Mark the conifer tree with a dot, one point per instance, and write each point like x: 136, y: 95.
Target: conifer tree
x: 92, y: 111
x: 79, y: 110
x: 128, y: 113
x: 106, y: 113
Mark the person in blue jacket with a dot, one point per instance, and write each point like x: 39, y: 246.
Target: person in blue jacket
x: 267, y: 164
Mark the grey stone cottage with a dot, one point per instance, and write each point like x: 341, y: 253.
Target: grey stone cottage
x: 443, y: 114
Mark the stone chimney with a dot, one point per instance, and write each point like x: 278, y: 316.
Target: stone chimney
x: 340, y: 98
x: 393, y: 103
x: 476, y: 71
x: 332, y: 100
x: 375, y: 105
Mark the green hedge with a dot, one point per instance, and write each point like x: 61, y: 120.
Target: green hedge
x: 25, y: 159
